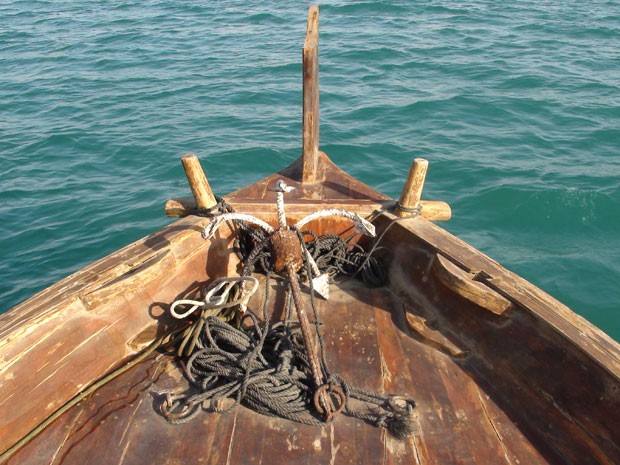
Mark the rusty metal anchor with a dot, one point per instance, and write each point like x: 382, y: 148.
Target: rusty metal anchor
x: 288, y: 258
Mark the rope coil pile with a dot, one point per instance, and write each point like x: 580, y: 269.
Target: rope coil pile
x: 268, y: 367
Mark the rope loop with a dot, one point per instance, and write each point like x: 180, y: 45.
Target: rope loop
x: 218, y: 296
x: 268, y: 367
x: 182, y: 302
x: 219, y: 208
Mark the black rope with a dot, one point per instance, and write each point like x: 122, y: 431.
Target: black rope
x: 332, y: 254
x: 335, y: 256
x: 266, y: 367
x: 220, y: 207
x: 261, y: 367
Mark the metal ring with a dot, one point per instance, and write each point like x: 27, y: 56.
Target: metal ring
x: 329, y: 393
x: 169, y: 405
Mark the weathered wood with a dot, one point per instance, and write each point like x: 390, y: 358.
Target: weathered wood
x: 52, y: 345
x: 432, y: 210
x: 412, y: 189
x: 464, y: 284
x: 529, y: 363
x: 423, y: 332
x: 180, y: 207
x: 435, y: 210
x: 460, y: 358
x: 310, y: 57
x: 578, y: 331
x: 198, y: 181
x: 366, y: 343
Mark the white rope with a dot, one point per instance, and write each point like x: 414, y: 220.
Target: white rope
x: 216, y: 297
x: 179, y: 316
x: 213, y: 226
x: 280, y: 210
x: 280, y: 188
x: 361, y: 225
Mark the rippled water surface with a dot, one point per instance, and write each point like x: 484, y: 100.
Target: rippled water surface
x: 515, y: 104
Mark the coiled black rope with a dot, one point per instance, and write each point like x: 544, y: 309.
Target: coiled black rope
x: 332, y: 254
x: 335, y: 256
x: 261, y: 368
x: 265, y: 368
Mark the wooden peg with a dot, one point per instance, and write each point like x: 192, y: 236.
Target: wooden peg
x: 180, y: 207
x: 435, y: 210
x: 412, y: 190
x: 198, y: 181
x: 310, y: 156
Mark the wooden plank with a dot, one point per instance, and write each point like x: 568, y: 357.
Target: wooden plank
x: 464, y: 284
x: 454, y: 426
x: 396, y: 377
x: 351, y: 351
x: 515, y: 445
x: 119, y: 424
x: 541, y: 387
x: 432, y: 210
x: 575, y: 329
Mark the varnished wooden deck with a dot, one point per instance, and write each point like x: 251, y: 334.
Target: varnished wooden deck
x: 368, y: 341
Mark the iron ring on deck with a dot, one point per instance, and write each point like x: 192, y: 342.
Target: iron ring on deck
x: 334, y: 393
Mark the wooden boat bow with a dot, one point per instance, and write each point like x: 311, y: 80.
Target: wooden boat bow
x: 501, y: 372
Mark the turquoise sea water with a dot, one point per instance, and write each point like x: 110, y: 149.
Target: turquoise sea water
x: 515, y: 104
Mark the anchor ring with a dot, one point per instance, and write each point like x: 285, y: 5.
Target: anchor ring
x: 333, y: 396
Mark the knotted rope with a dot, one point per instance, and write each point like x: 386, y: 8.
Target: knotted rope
x: 275, y: 369
x: 264, y: 367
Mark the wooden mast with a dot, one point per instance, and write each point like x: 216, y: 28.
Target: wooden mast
x: 311, y: 98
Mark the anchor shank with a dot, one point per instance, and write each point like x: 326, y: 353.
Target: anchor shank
x: 309, y: 341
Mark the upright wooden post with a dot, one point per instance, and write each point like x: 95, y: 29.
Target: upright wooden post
x: 311, y: 97
x: 198, y: 182
x: 412, y: 190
